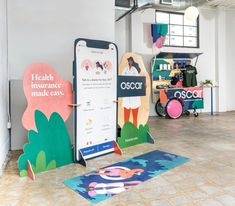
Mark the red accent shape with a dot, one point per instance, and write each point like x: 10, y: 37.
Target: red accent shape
x: 117, y: 150
x: 30, y: 171
x: 46, y: 91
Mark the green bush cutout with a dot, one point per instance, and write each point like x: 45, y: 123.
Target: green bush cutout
x: 41, y: 163
x: 131, y: 135
x: 52, y: 139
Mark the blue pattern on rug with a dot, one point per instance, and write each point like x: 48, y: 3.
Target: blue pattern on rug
x: 102, y: 184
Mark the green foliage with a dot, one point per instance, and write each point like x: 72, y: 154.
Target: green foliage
x: 131, y: 135
x: 51, y: 137
x: 23, y: 173
x: 142, y: 133
x: 41, y: 163
x: 142, y: 162
x: 207, y: 82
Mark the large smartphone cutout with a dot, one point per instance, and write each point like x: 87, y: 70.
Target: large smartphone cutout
x: 95, y: 95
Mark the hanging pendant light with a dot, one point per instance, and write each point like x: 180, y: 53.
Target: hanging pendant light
x: 191, y: 13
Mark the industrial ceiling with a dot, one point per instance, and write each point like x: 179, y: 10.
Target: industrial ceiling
x: 126, y: 7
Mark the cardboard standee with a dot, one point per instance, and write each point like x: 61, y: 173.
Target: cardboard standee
x: 140, y: 100
x: 95, y: 95
x: 48, y: 97
x: 133, y: 103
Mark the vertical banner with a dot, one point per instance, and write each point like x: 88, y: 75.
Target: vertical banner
x: 95, y: 87
x: 133, y: 102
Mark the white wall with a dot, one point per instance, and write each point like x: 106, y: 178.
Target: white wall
x: 230, y: 66
x: 206, y: 65
x: 225, y: 50
x: 140, y: 23
x: 122, y: 36
x: 221, y: 59
x: 45, y: 30
x: 4, y: 136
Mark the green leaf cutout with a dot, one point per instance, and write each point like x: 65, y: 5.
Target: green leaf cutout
x: 48, y: 147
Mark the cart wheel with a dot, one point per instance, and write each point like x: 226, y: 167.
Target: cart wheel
x: 187, y: 113
x: 159, y: 109
x: 195, y: 114
x: 174, y: 108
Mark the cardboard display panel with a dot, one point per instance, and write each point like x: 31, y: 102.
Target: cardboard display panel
x: 139, y: 102
x: 48, y: 97
x: 133, y: 102
x: 95, y: 85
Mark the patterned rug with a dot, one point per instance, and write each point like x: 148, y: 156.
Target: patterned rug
x: 106, y: 182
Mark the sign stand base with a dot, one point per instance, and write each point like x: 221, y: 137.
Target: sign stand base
x: 117, y: 150
x: 82, y: 160
x: 30, y: 171
x: 150, y: 138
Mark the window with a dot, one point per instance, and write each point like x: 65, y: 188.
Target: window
x: 181, y: 32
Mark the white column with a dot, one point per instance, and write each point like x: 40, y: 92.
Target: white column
x: 4, y: 136
x: 221, y: 57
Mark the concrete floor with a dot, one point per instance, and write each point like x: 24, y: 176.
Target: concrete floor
x: 207, y: 180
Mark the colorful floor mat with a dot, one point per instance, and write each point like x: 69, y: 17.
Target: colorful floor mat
x: 97, y: 186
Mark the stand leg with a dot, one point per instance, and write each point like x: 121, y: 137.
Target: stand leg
x: 82, y: 161
x: 150, y: 138
x: 117, y: 150
x: 30, y: 171
x: 212, y: 101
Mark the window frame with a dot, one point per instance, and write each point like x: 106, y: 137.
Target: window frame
x: 183, y: 25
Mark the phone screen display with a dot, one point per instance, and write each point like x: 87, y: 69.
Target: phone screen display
x: 96, y: 93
